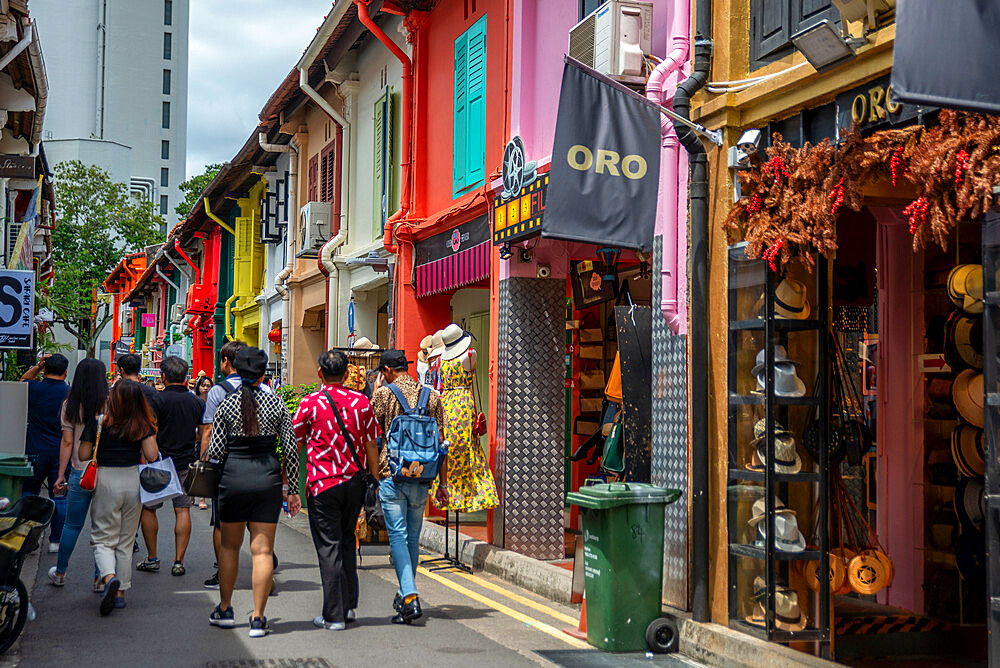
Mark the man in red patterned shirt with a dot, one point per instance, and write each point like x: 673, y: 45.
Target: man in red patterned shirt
x: 335, y: 481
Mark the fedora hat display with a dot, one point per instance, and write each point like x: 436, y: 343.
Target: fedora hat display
x: 965, y: 287
x: 788, y: 615
x: 786, y: 382
x: 790, y: 300
x: 967, y: 393
x: 363, y: 346
x: 786, y: 457
x: 787, y: 537
x: 456, y: 341
x: 967, y: 450
x: 758, y: 509
x: 969, y: 504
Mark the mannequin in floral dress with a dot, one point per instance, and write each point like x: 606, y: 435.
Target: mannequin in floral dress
x: 470, y: 482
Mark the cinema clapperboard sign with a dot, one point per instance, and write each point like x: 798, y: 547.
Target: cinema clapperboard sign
x: 17, y: 308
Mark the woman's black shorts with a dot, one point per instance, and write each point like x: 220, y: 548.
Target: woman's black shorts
x: 250, y: 489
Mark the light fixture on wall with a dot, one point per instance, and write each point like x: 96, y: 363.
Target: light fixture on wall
x: 379, y: 264
x: 505, y: 251
x: 823, y: 46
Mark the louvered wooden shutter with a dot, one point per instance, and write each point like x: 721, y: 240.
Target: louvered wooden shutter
x: 461, y: 121
x: 476, y: 153
x: 314, y: 178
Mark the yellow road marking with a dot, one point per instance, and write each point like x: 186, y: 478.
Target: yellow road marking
x: 562, y: 617
x: 510, y: 612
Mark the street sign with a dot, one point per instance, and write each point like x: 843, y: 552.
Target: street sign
x: 17, y: 308
x: 17, y: 166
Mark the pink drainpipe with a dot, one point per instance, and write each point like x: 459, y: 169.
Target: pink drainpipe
x: 671, y: 217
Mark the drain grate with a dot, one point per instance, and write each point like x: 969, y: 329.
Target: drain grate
x: 312, y: 662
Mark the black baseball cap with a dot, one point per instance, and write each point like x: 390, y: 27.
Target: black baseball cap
x: 393, y: 359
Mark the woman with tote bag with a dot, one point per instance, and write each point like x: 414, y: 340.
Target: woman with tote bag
x: 127, y: 433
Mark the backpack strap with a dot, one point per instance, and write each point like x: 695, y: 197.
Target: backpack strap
x: 403, y: 403
x: 227, y: 386
x: 425, y: 396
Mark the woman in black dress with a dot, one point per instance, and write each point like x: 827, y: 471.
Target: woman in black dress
x: 245, y: 436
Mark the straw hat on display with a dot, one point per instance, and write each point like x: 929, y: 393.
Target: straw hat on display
x: 787, y: 537
x: 437, y: 345
x: 963, y: 341
x: 456, y: 342
x: 790, y: 301
x: 967, y: 450
x: 788, y: 615
x: 967, y: 393
x: 363, y: 346
x: 786, y: 458
x: 425, y: 348
x: 965, y: 287
x: 969, y: 504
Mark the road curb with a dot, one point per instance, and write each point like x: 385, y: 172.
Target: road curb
x: 544, y: 579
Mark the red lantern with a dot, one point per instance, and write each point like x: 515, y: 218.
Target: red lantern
x: 274, y: 336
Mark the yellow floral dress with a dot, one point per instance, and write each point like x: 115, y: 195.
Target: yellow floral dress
x: 470, y: 482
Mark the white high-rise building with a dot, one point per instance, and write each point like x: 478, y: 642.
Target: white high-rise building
x: 118, y: 79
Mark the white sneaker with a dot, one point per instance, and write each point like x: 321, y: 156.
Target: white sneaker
x: 351, y: 616
x: 53, y: 548
x: 329, y: 626
x: 57, y: 579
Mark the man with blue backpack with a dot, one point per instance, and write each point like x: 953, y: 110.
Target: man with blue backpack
x: 413, y: 454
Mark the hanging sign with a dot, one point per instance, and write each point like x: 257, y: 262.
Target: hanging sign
x: 605, y: 163
x: 873, y: 106
x: 17, y: 166
x: 517, y: 211
x: 17, y: 308
x: 148, y: 320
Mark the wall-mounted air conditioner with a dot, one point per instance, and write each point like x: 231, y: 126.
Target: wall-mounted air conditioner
x: 314, y: 227
x: 613, y: 38
x: 177, y: 313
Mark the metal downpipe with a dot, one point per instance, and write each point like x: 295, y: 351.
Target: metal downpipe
x: 700, y: 524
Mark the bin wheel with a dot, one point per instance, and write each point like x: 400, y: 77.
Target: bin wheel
x: 661, y: 636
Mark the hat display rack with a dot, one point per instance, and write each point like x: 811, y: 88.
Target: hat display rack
x: 778, y: 491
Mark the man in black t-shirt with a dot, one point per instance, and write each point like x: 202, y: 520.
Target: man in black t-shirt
x: 178, y: 416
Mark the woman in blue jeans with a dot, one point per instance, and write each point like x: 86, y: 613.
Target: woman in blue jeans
x: 86, y: 399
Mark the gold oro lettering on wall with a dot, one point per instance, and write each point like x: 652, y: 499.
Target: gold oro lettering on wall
x: 873, y: 105
x: 607, y: 162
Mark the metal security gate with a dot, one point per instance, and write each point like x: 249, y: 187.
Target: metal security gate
x: 991, y: 371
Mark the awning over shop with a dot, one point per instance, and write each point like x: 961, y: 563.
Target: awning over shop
x: 940, y: 54
x: 453, y: 259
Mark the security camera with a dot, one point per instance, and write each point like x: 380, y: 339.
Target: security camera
x: 749, y: 141
x: 544, y: 271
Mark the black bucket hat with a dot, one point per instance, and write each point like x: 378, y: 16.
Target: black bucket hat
x: 250, y: 363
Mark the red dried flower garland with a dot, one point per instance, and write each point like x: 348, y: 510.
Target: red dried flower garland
x: 961, y: 165
x: 837, y: 195
x: 916, y: 213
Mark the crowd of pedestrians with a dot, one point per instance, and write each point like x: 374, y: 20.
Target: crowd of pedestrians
x: 242, y: 427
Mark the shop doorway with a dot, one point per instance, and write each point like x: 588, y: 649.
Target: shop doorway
x: 910, y: 346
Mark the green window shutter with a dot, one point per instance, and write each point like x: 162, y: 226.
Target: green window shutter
x: 378, y: 169
x: 383, y: 163
x: 476, y: 103
x: 461, y: 114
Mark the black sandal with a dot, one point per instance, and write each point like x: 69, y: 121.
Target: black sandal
x: 177, y: 569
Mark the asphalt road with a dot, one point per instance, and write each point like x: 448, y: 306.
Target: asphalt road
x: 468, y: 620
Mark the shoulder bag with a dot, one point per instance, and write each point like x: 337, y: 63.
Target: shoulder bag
x: 374, y: 516
x: 202, y: 479
x: 88, y: 481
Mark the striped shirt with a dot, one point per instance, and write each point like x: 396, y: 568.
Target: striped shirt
x: 328, y: 459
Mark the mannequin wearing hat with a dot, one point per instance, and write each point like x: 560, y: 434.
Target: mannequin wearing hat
x: 470, y: 482
x: 423, y: 366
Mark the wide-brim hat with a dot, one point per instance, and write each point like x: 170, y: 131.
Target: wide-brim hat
x: 968, y: 394
x: 780, y: 357
x: 456, y: 342
x: 790, y: 300
x: 426, y: 344
x: 963, y: 341
x: 967, y: 450
x: 969, y: 504
x: 437, y: 344
x: 965, y: 287
x: 786, y: 382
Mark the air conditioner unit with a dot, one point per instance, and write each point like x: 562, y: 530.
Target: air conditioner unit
x: 859, y: 10
x: 314, y: 227
x: 201, y: 299
x: 613, y: 38
x: 176, y: 313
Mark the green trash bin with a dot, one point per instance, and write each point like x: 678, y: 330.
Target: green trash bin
x: 13, y: 471
x: 622, y: 526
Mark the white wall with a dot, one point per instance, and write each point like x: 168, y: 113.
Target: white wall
x: 132, y: 83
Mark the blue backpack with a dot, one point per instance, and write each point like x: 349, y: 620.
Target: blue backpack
x: 413, y: 442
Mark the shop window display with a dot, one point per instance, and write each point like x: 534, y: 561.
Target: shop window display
x: 777, y: 487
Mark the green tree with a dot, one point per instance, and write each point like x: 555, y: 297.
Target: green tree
x: 97, y: 222
x: 193, y: 187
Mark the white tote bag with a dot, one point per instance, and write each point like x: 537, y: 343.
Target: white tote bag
x: 158, y: 481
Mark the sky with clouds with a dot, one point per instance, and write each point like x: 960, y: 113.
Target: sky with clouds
x: 239, y: 52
